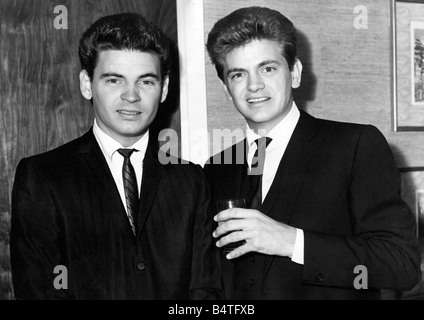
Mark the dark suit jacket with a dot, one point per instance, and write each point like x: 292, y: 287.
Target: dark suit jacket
x: 67, y: 211
x: 339, y: 183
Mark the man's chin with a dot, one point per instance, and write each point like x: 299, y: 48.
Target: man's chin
x: 135, y: 134
x: 262, y: 123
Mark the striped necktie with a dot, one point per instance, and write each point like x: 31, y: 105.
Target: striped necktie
x: 256, y: 172
x: 130, y: 187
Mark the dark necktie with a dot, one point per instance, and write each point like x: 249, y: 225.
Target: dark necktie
x: 130, y: 187
x: 256, y: 172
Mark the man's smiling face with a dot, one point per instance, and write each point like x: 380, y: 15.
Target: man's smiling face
x: 260, y: 82
x: 127, y: 90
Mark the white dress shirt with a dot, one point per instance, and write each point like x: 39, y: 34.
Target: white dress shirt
x: 280, y: 136
x: 115, y: 160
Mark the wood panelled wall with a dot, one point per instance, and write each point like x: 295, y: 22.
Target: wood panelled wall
x: 40, y: 103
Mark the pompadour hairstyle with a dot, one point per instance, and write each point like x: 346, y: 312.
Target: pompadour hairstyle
x: 124, y: 31
x: 246, y: 25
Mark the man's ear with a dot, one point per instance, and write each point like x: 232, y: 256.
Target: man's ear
x: 227, y: 93
x: 85, y: 85
x: 296, y: 74
x: 165, y: 85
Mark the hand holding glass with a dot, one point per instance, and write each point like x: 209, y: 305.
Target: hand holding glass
x: 222, y: 205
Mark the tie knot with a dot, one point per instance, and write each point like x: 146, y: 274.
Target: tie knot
x: 263, y: 142
x: 126, y: 153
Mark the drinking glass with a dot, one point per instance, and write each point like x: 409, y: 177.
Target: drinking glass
x: 222, y: 205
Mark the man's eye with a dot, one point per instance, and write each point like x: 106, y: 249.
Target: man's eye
x: 147, y: 83
x: 113, y: 81
x: 236, y: 75
x: 269, y: 69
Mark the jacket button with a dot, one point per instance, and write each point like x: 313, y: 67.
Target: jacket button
x: 141, y: 266
x: 319, y: 277
x: 252, y: 259
x: 251, y: 282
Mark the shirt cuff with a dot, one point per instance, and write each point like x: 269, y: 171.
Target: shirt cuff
x: 298, y: 256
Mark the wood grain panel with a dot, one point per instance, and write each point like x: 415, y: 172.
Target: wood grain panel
x: 40, y: 103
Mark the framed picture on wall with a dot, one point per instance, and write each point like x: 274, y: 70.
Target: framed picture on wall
x: 412, y: 189
x: 408, y: 65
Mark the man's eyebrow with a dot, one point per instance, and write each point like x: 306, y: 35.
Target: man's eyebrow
x: 117, y: 75
x: 150, y: 75
x: 260, y: 65
x: 110, y: 74
x: 264, y: 63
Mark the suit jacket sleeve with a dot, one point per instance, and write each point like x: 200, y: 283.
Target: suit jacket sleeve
x: 34, y: 237
x: 383, y: 238
x: 206, y: 264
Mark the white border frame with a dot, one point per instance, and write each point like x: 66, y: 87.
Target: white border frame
x: 193, y: 101
x: 395, y: 121
x: 394, y: 64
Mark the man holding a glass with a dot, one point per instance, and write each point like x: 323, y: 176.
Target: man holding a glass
x: 322, y: 197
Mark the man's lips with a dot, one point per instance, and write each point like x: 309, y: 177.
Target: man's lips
x: 129, y: 112
x: 258, y: 100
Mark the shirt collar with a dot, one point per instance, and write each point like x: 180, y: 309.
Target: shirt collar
x: 283, y: 128
x: 109, y: 145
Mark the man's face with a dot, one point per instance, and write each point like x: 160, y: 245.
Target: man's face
x: 259, y: 81
x: 126, y: 89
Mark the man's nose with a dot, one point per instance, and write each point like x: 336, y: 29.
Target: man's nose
x: 131, y: 95
x: 255, y: 83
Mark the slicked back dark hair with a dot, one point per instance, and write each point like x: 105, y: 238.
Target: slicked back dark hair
x: 124, y: 31
x: 245, y: 25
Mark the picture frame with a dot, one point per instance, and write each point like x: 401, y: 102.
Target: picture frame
x: 408, y: 65
x: 412, y: 192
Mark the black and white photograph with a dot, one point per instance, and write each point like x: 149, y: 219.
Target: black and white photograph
x: 125, y: 125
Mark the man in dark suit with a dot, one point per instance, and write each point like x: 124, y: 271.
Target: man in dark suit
x: 324, y: 217
x: 79, y: 229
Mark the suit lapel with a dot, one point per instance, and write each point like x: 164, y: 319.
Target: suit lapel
x: 151, y: 178
x: 103, y: 180
x: 290, y: 174
x: 281, y: 198
x: 238, y: 170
